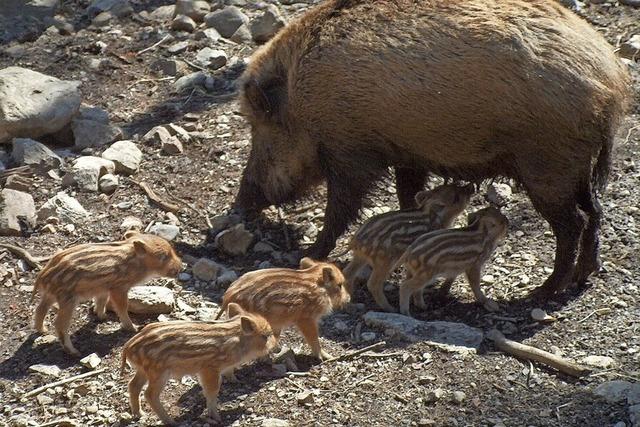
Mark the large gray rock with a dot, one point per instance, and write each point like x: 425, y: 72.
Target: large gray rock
x: 64, y: 207
x: 92, y: 133
x: 266, y: 26
x: 33, y: 104
x: 126, y: 155
x: 16, y: 207
x: 163, y: 13
x: 87, y: 171
x: 194, y: 9
x: 29, y: 152
x: 151, y: 300
x: 450, y: 336
x: 226, y: 21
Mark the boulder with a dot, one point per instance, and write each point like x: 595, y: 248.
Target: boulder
x: 29, y: 152
x: 34, y: 104
x: 93, y: 133
x: 126, y: 155
x: 194, y: 9
x: 266, y: 26
x: 166, y: 231
x: 87, y: 171
x: 64, y: 207
x: 450, y: 336
x: 17, y: 212
x: 226, y: 21
x: 151, y: 300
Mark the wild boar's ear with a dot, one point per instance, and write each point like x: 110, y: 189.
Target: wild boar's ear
x: 306, y: 262
x: 248, y: 325
x: 266, y: 98
x: 233, y: 310
x: 140, y: 247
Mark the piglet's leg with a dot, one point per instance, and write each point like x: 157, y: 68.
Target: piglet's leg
x: 135, y: 387
x: 62, y: 323
x: 120, y: 304
x: 473, y: 275
x: 152, y: 394
x: 100, y: 306
x: 309, y: 329
x: 376, y: 285
x: 41, y: 313
x: 407, y: 289
x: 210, y: 382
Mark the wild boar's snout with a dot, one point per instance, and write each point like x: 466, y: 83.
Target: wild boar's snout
x: 250, y: 197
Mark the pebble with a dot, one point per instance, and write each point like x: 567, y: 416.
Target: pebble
x: 183, y: 23
x: 603, y: 362
x: 434, y: 395
x: 178, y: 47
x: 206, y: 270
x: 92, y: 409
x: 131, y: 223
x: 540, y: 315
x: 305, y: 397
x: 459, y: 397
x: 43, y: 399
x: 341, y: 326
x: 184, y: 277
x: 368, y: 336
x: 91, y: 361
x: 50, y: 370
x: 226, y: 278
x: 166, y: 231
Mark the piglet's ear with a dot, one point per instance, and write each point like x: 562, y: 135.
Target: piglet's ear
x: 306, y: 262
x: 140, y: 247
x: 131, y: 233
x: 248, y: 326
x: 233, y: 310
x: 328, y: 277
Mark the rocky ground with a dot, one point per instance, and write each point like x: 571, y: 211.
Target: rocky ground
x: 158, y: 108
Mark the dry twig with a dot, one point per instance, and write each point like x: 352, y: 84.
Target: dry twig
x: 153, y: 46
x: 167, y: 206
x: 353, y: 354
x: 528, y: 352
x: 39, y: 390
x: 202, y: 213
x: 34, y: 262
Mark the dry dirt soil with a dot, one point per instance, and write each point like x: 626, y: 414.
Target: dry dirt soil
x: 392, y: 388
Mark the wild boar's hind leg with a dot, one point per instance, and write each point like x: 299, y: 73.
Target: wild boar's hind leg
x: 589, y: 258
x: 152, y: 394
x: 567, y: 224
x: 408, y: 183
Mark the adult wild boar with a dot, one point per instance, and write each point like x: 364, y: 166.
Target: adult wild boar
x: 467, y: 89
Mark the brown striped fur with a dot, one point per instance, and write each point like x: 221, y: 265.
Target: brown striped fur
x: 384, y: 238
x: 173, y: 349
x: 448, y: 253
x: 103, y: 271
x: 292, y: 297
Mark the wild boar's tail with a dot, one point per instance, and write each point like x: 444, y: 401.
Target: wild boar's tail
x: 602, y: 167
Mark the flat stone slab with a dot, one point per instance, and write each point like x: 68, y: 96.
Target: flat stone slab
x: 450, y: 336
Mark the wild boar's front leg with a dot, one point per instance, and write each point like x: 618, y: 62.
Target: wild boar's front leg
x: 344, y: 200
x: 408, y: 183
